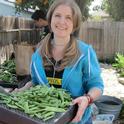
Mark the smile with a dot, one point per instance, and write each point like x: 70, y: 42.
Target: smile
x: 60, y: 28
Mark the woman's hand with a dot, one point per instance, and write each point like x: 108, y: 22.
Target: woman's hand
x: 16, y: 90
x: 82, y: 105
x: 27, y: 86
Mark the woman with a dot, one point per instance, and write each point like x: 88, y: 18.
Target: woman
x: 65, y: 62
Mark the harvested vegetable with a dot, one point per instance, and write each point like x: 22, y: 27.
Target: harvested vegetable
x: 40, y: 101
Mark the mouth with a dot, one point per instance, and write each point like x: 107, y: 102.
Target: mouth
x: 61, y: 28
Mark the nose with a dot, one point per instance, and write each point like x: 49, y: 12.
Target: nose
x: 62, y: 20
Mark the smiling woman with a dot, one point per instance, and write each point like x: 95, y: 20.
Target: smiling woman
x: 65, y: 62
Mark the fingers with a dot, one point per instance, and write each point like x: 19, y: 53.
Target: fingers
x: 82, y: 105
x: 77, y: 100
x: 15, y: 90
x: 79, y: 114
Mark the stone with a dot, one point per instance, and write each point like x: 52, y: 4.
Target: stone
x: 121, y: 80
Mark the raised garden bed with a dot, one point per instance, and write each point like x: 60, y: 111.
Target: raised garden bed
x: 22, y: 80
x: 9, y: 78
x: 8, y: 116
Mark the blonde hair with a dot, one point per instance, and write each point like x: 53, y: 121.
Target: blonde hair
x: 71, y: 53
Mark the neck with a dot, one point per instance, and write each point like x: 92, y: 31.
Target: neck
x: 60, y: 41
x: 59, y: 45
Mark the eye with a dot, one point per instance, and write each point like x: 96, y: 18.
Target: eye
x: 69, y: 17
x: 57, y: 15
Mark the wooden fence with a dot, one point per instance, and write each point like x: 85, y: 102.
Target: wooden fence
x: 16, y: 30
x: 106, y: 37
x: 12, y: 22
x: 16, y: 36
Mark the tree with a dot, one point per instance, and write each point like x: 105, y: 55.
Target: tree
x: 32, y: 4
x: 84, y: 6
x: 115, y: 8
x: 45, y: 4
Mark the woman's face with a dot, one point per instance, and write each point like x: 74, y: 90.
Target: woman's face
x: 62, y: 21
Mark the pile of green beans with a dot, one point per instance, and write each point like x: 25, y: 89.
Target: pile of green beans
x: 40, y: 101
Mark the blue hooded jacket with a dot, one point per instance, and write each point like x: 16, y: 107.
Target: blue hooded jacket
x: 77, y: 79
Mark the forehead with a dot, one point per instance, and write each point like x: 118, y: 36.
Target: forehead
x: 64, y: 9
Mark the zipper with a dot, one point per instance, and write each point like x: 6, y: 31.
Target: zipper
x: 54, y: 66
x: 67, y: 77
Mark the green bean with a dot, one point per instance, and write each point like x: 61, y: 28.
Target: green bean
x: 40, y: 101
x: 54, y: 109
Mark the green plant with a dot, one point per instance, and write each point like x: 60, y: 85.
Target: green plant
x: 26, y: 5
x: 119, y: 64
x: 8, y: 71
x: 114, y: 8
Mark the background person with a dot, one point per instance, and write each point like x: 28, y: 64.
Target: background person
x: 65, y: 62
x: 40, y: 22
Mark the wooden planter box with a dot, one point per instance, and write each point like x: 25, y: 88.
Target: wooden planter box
x: 10, y: 116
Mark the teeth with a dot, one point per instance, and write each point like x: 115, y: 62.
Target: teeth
x: 60, y: 28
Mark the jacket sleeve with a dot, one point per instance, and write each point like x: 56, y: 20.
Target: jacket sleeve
x: 93, y: 71
x: 33, y: 74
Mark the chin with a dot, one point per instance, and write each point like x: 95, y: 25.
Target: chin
x: 60, y: 34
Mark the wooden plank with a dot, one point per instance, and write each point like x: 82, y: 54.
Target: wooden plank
x: 106, y: 37
x: 121, y: 38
